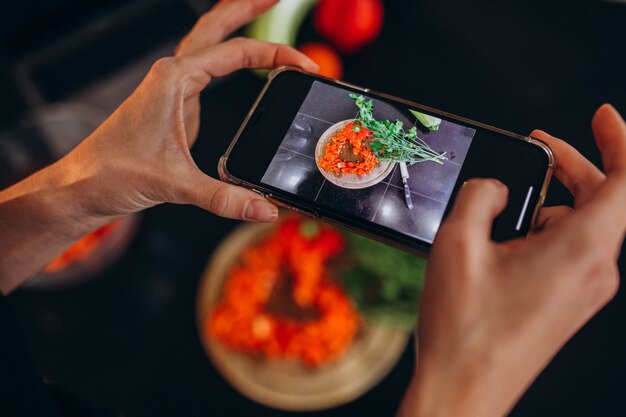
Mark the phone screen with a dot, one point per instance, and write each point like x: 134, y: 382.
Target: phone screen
x: 333, y: 156
x: 378, y: 164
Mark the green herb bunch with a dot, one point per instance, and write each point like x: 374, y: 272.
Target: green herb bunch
x: 393, y: 143
x: 385, y: 283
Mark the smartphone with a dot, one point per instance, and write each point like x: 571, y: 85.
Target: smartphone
x: 379, y: 165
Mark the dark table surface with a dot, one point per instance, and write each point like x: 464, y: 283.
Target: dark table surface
x: 127, y: 338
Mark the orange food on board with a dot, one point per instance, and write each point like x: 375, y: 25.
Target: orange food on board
x: 326, y: 57
x: 300, y: 251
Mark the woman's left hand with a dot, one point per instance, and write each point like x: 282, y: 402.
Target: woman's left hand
x: 140, y: 156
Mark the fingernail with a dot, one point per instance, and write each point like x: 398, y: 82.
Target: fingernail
x: 499, y: 183
x: 260, y: 210
x: 608, y: 106
x: 313, y: 67
x: 491, y: 180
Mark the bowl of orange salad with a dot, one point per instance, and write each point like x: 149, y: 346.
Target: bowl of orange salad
x: 344, y: 157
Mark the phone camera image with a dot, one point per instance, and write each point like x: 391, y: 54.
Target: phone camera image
x: 382, y: 162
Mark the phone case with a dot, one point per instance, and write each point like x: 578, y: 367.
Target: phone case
x: 228, y: 177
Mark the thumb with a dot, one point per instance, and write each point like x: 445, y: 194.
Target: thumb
x: 226, y: 200
x: 478, y: 204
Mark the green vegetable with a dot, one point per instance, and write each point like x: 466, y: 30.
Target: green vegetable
x: 429, y: 122
x: 393, y: 143
x: 280, y: 24
x: 309, y: 229
x: 385, y: 283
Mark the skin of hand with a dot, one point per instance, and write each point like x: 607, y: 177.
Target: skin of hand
x: 139, y: 157
x: 144, y: 146
x: 494, y: 314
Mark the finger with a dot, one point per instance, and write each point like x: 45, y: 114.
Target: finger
x: 227, y: 200
x: 604, y: 217
x: 551, y: 216
x: 223, y: 19
x: 579, y: 176
x: 609, y: 130
x: 239, y: 53
x: 478, y: 204
x: 606, y: 214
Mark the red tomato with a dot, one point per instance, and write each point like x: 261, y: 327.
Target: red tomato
x: 349, y: 24
x: 325, y: 57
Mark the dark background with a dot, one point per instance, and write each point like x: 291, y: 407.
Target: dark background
x: 127, y: 339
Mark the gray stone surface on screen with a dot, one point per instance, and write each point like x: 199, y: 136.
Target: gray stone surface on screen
x: 328, y: 103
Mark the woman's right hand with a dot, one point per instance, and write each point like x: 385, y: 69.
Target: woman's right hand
x: 494, y: 314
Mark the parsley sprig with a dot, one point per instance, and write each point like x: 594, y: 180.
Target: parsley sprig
x: 393, y: 143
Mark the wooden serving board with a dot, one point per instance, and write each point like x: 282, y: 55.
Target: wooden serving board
x: 288, y: 384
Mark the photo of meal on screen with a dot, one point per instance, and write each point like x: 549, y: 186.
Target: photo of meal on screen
x: 362, y: 156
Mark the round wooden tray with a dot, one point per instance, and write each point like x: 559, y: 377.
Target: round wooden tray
x: 351, y: 181
x: 288, y: 384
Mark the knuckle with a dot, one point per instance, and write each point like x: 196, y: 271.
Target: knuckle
x: 484, y: 186
x: 457, y: 238
x: 246, y: 50
x: 161, y: 65
x: 166, y: 67
x: 494, y: 186
x: 608, y: 287
x: 612, y: 286
x: 206, y: 18
x: 603, y: 283
x: 151, y: 188
x: 181, y: 194
x: 219, y: 201
x: 239, y: 40
x: 595, y: 264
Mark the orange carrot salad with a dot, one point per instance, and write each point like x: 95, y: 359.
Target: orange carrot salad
x: 242, y: 321
x: 355, y: 134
